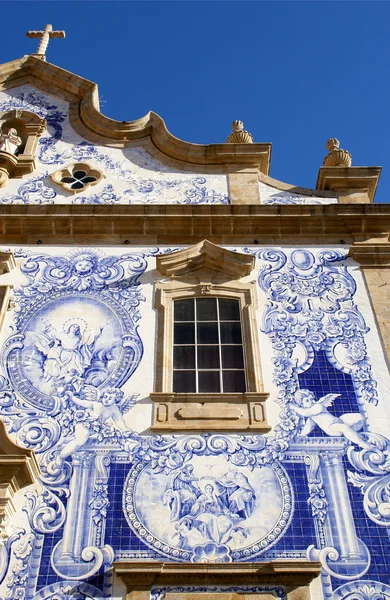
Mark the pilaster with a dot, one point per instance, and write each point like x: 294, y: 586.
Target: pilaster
x: 374, y: 260
x: 244, y: 185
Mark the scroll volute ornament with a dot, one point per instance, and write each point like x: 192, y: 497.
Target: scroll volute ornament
x: 20, y: 131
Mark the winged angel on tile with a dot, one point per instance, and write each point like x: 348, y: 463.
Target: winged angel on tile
x: 316, y: 413
x: 93, y: 409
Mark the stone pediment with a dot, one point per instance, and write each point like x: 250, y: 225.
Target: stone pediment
x: 205, y: 256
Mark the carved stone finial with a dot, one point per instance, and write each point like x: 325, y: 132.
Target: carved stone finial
x: 337, y: 157
x: 239, y: 135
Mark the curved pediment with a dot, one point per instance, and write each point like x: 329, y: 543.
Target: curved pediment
x: 205, y: 256
x: 150, y: 130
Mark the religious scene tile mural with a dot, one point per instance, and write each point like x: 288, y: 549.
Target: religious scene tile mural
x: 76, y: 374
x: 131, y: 175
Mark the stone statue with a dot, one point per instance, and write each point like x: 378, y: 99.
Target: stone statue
x: 10, y: 142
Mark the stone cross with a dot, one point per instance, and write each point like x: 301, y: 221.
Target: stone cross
x: 45, y: 36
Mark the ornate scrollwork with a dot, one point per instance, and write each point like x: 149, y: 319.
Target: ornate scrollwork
x: 375, y: 487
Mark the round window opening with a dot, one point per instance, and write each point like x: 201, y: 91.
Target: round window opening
x: 78, y: 180
x: 77, y: 177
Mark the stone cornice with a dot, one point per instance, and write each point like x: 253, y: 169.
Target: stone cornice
x: 179, y: 224
x: 150, y: 130
x: 349, y: 180
x: 375, y: 254
x: 142, y: 575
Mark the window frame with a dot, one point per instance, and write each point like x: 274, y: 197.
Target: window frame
x: 168, y: 292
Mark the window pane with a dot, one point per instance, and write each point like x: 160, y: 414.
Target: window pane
x: 232, y: 357
x: 184, y: 310
x: 208, y: 357
x: 231, y: 333
x: 233, y: 381
x: 184, y: 357
x: 184, y: 333
x: 229, y: 309
x: 208, y: 381
x: 207, y: 333
x: 79, y: 174
x: 184, y: 381
x: 206, y: 309
x: 77, y: 186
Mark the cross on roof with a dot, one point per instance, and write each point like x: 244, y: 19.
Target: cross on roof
x: 45, y: 36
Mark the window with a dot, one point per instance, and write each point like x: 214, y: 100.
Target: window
x: 78, y: 177
x: 207, y: 346
x: 208, y: 374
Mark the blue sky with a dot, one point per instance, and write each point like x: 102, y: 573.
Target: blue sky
x: 296, y: 73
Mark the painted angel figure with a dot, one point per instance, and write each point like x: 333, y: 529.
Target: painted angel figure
x: 102, y: 406
x: 74, y: 347
x: 316, y: 413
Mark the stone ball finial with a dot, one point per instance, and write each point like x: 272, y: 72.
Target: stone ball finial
x: 239, y: 135
x: 337, y: 157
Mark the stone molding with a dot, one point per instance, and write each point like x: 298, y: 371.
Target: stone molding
x: 88, y: 121
x: 18, y: 469
x: 179, y: 224
x: 141, y: 576
x: 7, y: 262
x: 375, y: 255
x: 349, y: 182
x: 205, y: 255
x: 211, y: 412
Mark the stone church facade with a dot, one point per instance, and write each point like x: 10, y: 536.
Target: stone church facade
x: 194, y: 383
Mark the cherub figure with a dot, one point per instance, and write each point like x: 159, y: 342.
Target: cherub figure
x: 101, y: 406
x: 316, y: 413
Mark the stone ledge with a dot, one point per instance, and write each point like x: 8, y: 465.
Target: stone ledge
x: 143, y: 575
x: 375, y: 255
x: 350, y: 180
x: 211, y: 412
x: 177, y: 224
